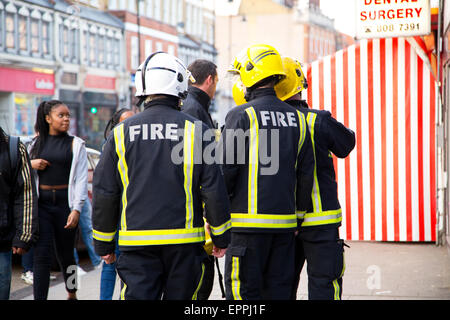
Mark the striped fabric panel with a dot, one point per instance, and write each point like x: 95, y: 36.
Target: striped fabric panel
x: 384, y: 91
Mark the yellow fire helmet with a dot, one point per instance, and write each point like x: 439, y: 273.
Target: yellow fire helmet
x: 256, y: 63
x: 238, y: 93
x: 294, y: 82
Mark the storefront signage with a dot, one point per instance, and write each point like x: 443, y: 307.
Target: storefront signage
x: 100, y: 82
x: 27, y: 81
x: 43, y: 84
x: 392, y: 18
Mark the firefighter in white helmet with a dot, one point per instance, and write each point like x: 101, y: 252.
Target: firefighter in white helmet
x: 156, y: 198
x: 259, y: 263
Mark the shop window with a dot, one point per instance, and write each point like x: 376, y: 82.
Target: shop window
x: 25, y: 112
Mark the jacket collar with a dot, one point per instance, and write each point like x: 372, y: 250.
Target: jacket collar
x: 170, y: 101
x: 201, y: 96
x: 257, y: 93
x: 298, y: 104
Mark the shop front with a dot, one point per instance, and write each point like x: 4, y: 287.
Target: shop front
x: 98, y: 108
x: 21, y: 92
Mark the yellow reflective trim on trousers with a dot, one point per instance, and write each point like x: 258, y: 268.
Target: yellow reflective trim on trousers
x: 217, y: 231
x: 188, y: 169
x: 253, y: 161
x: 103, y: 236
x: 122, y: 292
x: 161, y: 236
x: 122, y: 166
x: 321, y: 218
x: 317, y: 202
x: 235, y: 281
x: 336, y: 290
x: 279, y: 221
x: 194, y: 297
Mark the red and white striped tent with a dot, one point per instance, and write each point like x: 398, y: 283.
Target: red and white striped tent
x: 384, y: 90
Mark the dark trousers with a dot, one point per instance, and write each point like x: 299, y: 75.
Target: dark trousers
x: 324, y: 253
x: 260, y: 266
x: 208, y: 279
x: 169, y: 272
x: 53, y: 213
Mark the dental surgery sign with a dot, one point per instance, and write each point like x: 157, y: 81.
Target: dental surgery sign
x: 392, y: 18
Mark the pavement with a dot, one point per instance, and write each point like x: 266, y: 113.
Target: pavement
x: 374, y: 271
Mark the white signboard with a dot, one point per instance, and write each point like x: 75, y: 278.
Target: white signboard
x: 392, y: 18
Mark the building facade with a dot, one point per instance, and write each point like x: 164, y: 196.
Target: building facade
x: 54, y: 49
x: 302, y: 31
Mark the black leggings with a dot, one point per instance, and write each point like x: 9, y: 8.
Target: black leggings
x: 53, y: 213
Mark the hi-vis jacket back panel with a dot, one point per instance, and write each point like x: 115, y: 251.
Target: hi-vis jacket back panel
x: 267, y: 202
x: 327, y: 136
x: 140, y: 186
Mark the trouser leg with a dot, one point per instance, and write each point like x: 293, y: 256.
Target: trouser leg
x: 141, y: 273
x: 184, y: 271
x: 298, y: 265
x: 325, y: 263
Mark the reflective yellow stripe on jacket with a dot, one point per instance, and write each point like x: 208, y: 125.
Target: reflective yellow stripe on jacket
x: 253, y: 155
x: 161, y: 237
x: 244, y: 220
x: 188, y: 169
x: 318, y: 217
x: 119, y: 138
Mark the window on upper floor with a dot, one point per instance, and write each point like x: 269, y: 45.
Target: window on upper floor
x: 46, y: 44
x: 134, y: 62
x: 157, y: 10
x: 166, y: 11
x: 35, y: 35
x: 10, y: 30
x: 23, y: 33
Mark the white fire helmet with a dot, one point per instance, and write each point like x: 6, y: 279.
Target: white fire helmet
x: 162, y: 73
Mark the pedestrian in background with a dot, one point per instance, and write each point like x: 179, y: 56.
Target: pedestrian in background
x: 60, y: 161
x: 18, y: 207
x: 108, y: 276
x: 196, y: 104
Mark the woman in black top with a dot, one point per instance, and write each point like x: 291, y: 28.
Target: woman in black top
x: 59, y: 160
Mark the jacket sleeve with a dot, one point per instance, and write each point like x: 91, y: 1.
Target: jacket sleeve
x: 215, y: 197
x: 305, y: 170
x: 25, y: 204
x: 231, y: 153
x: 341, y: 140
x: 81, y: 179
x: 106, y: 195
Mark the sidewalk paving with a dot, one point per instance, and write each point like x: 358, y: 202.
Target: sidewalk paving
x: 374, y: 271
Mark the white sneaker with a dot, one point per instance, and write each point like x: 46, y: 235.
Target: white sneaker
x: 27, y: 277
x: 52, y: 277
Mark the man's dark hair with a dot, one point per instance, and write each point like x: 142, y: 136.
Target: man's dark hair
x: 201, y: 69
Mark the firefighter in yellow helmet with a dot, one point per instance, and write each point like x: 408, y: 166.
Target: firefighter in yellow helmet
x: 318, y: 239
x: 264, y: 193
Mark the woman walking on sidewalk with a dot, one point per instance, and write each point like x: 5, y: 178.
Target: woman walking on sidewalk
x: 62, y: 172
